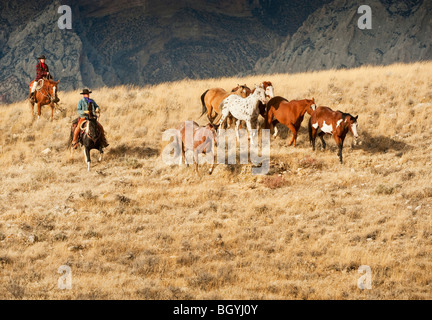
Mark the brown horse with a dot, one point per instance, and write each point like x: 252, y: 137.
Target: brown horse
x: 289, y: 113
x: 46, y: 94
x: 212, y: 98
x: 337, y: 123
x: 201, y: 140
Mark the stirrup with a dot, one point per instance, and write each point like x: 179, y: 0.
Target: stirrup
x: 74, y: 145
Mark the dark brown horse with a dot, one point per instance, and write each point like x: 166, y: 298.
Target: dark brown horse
x: 91, y: 136
x: 337, y: 123
x: 201, y: 140
x: 212, y: 98
x: 46, y: 94
x: 289, y: 113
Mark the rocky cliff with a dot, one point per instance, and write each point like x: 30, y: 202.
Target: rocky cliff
x: 140, y: 42
x: 330, y: 37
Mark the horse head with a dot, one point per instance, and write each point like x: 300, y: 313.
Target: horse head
x: 242, y: 90
x: 260, y: 93
x: 212, y: 133
x: 311, y: 106
x: 352, y: 125
x: 51, y: 88
x: 269, y: 90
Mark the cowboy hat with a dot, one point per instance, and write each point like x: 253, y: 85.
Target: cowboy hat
x: 86, y: 91
x: 42, y: 57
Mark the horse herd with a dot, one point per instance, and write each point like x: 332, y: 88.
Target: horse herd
x: 244, y: 104
x: 240, y: 104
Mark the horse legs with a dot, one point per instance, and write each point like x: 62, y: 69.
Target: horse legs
x: 87, y: 158
x: 39, y: 109
x: 52, y: 111
x: 101, y: 154
x: 313, y: 134
x: 213, y: 164
x: 276, y: 131
x: 237, y: 129
x: 249, y: 127
x: 321, y: 135
x: 183, y: 152
x: 223, y: 117
x: 228, y: 123
x: 32, y: 108
x: 339, y: 142
x: 294, y: 134
x: 196, y: 161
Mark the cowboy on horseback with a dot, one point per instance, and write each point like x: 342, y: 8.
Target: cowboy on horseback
x: 83, y: 112
x: 42, y: 72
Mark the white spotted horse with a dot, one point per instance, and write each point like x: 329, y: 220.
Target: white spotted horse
x: 336, y: 123
x: 245, y: 109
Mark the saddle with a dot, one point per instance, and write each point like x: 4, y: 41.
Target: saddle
x: 74, y: 125
x: 82, y: 132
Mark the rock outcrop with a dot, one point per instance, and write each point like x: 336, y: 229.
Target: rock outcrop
x: 331, y: 38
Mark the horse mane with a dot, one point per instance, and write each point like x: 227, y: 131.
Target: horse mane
x: 49, y: 81
x: 344, y: 115
x: 275, y: 102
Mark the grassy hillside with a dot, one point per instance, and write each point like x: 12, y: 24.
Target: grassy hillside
x: 135, y: 228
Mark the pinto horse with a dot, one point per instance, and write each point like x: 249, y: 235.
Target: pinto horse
x: 201, y: 140
x: 337, y: 123
x: 90, y: 137
x: 212, y: 98
x: 46, y: 94
x: 245, y: 109
x: 289, y: 113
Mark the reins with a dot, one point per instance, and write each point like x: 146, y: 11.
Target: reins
x: 50, y: 97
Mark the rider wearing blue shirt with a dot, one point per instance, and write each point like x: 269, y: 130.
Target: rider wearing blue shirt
x: 83, y: 112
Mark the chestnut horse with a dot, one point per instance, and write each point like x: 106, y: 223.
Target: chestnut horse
x: 201, y: 140
x: 212, y: 98
x: 46, y: 94
x: 337, y: 123
x: 289, y: 113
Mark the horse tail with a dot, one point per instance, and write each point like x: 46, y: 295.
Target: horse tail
x: 204, y: 108
x: 310, y: 129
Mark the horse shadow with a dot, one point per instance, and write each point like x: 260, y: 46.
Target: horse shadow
x: 140, y: 152
x: 381, y: 144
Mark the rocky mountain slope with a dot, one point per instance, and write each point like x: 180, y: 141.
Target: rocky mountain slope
x: 330, y: 37
x: 140, y: 42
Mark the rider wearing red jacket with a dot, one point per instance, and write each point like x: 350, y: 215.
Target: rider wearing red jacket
x: 42, y: 71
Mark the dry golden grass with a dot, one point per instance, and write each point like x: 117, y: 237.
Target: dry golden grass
x: 135, y: 228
